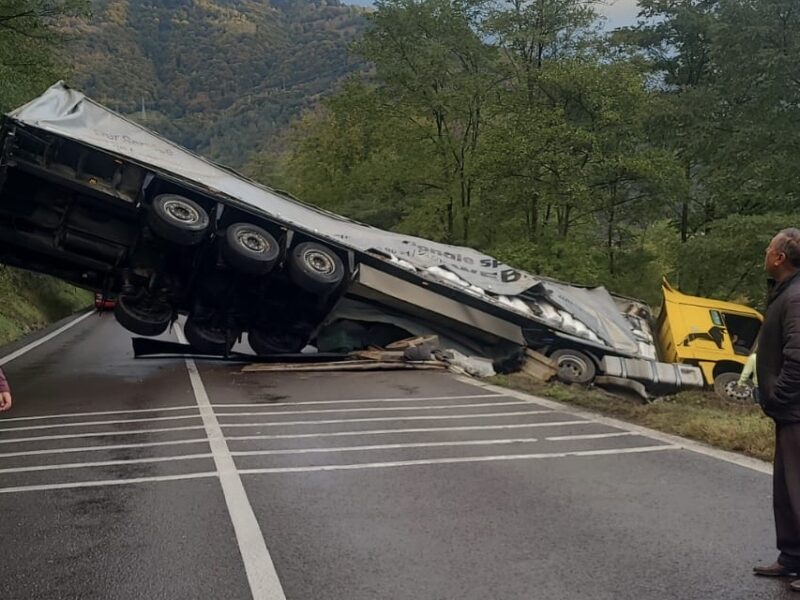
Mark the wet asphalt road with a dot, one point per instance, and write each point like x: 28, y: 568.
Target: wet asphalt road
x: 403, y: 485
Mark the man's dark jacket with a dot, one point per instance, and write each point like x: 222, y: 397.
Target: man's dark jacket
x: 778, y: 358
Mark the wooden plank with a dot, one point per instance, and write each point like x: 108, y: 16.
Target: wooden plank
x: 538, y: 366
x: 351, y: 365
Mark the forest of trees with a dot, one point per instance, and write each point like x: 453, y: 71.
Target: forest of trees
x: 521, y: 128
x: 221, y: 77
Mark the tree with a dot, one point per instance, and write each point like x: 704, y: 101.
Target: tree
x: 437, y: 74
x: 29, y: 39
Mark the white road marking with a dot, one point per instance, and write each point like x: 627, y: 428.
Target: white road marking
x: 456, y: 460
x: 102, y: 483
x: 292, y: 436
x: 383, y: 409
x: 104, y: 463
x: 359, y: 400
x: 683, y: 443
x: 70, y: 436
x: 98, y: 413
x: 260, y: 570
x: 90, y: 423
x: 44, y: 339
x: 382, y: 447
x: 105, y: 447
x: 374, y: 419
x: 589, y: 436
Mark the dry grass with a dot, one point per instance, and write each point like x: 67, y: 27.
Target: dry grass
x: 700, y: 416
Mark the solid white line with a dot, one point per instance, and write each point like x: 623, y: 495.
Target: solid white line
x: 454, y: 460
x: 90, y: 423
x: 98, y: 413
x: 589, y: 436
x: 70, y: 436
x: 44, y: 339
x: 383, y: 447
x: 260, y: 570
x: 104, y: 463
x: 382, y: 409
x: 374, y: 419
x: 358, y: 401
x: 292, y: 436
x: 685, y: 444
x: 102, y: 447
x: 103, y: 482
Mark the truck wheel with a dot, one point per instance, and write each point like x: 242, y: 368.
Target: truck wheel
x: 250, y: 249
x: 143, y: 316
x: 314, y: 268
x: 275, y: 342
x: 178, y: 219
x: 574, y: 366
x: 726, y: 386
x: 207, y: 339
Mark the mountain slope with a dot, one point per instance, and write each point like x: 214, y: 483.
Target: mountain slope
x: 218, y: 76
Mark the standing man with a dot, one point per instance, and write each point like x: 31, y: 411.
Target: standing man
x: 778, y: 369
x: 5, y: 393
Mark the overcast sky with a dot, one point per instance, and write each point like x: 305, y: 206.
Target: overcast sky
x: 619, y: 12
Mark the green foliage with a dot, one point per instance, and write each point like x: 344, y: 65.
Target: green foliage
x: 221, y: 77
x: 29, y: 43
x: 516, y: 127
x: 29, y: 301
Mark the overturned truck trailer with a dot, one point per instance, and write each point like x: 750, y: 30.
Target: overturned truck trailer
x: 98, y: 200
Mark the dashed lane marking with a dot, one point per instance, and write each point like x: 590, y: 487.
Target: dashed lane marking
x: 104, y: 482
x: 393, y: 419
x: 90, y: 423
x: 70, y: 436
x: 105, y: 447
x: 690, y: 445
x: 382, y: 409
x: 105, y: 463
x: 292, y: 436
x: 98, y: 413
x: 382, y: 447
x: 456, y: 460
x: 360, y: 400
x: 590, y: 436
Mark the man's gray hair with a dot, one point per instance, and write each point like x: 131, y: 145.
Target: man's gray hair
x: 790, y: 245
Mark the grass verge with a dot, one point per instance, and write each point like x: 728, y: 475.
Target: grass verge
x: 29, y: 301
x: 699, y: 416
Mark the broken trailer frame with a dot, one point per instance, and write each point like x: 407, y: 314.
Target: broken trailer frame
x: 98, y: 200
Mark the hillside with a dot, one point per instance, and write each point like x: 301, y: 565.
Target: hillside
x: 218, y: 76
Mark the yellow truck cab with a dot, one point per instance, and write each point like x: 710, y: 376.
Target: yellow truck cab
x: 714, y: 335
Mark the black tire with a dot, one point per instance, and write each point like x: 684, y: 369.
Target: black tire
x: 143, y: 316
x: 315, y: 268
x: 178, y: 220
x: 265, y: 342
x: 725, y: 385
x: 207, y: 339
x: 249, y: 249
x: 574, y: 366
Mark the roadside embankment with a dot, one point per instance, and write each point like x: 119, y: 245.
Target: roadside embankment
x: 29, y: 301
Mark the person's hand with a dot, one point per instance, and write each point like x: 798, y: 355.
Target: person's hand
x: 5, y: 401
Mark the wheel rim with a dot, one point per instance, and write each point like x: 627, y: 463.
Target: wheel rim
x: 182, y: 212
x: 734, y: 392
x: 320, y: 262
x: 252, y: 241
x: 573, y: 366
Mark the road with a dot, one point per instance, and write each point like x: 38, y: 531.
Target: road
x: 123, y: 478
